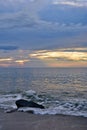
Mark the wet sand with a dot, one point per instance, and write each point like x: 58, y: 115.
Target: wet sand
x: 27, y: 121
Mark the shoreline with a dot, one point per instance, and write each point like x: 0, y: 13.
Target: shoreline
x: 26, y: 121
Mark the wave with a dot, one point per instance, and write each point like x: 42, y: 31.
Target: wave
x: 53, y: 105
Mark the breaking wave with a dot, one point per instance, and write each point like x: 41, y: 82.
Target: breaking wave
x: 53, y: 105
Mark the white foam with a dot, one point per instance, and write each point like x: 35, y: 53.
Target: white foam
x: 52, y: 107
x: 53, y: 111
x: 8, y: 101
x: 30, y: 92
x: 9, y: 97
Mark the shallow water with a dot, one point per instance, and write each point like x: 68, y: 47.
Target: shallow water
x: 60, y: 90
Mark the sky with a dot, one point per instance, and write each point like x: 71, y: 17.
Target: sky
x: 43, y: 33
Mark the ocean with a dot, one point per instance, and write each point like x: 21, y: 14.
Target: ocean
x: 60, y: 90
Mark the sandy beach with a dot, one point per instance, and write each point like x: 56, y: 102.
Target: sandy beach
x: 27, y: 121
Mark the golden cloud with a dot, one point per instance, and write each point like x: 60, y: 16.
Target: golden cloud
x: 69, y: 54
x: 55, y: 58
x: 21, y: 62
x: 6, y: 59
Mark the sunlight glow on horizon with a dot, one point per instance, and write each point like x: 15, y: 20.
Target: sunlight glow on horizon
x: 21, y: 62
x: 62, y: 57
x: 6, y: 62
x: 5, y: 59
x: 72, y: 56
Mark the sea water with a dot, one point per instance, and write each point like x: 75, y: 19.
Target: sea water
x: 60, y: 90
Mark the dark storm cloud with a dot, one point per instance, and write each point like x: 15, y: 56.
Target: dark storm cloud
x: 9, y: 48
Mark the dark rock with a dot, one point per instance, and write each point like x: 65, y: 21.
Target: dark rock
x: 25, y: 103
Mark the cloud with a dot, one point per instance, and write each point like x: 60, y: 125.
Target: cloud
x: 21, y: 14
x: 23, y: 5
x: 4, y: 47
x: 68, y: 54
x: 77, y: 3
x: 14, y: 2
x: 53, y: 57
x: 24, y: 21
x: 16, y: 21
x: 27, y: 17
x: 63, y: 57
x: 6, y: 59
x: 21, y: 61
x: 23, y: 25
x: 14, y: 58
